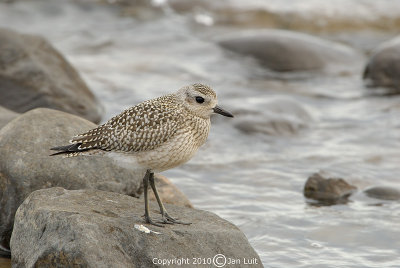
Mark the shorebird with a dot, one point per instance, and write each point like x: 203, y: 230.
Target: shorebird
x: 155, y: 135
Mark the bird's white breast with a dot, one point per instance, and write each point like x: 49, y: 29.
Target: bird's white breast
x: 178, y: 149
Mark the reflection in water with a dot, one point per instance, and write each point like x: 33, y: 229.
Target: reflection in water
x: 252, y: 178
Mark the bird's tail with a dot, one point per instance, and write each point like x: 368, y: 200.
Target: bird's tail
x: 71, y: 148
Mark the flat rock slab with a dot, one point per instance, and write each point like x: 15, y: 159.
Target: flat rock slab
x: 280, y: 117
x: 92, y: 228
x: 286, y: 51
x: 383, y: 193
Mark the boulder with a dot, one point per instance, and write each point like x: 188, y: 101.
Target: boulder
x: 25, y: 164
x: 6, y: 116
x: 383, y: 67
x: 93, y: 228
x: 328, y: 190
x: 286, y: 51
x: 34, y: 74
x: 280, y: 116
x: 169, y: 193
x: 383, y: 193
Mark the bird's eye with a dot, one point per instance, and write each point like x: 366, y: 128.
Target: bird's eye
x: 199, y: 99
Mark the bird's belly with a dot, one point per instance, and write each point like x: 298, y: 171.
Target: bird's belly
x: 171, y: 154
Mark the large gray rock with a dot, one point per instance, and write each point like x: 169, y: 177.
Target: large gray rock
x: 285, y: 51
x: 383, y: 68
x: 34, y: 74
x: 6, y: 116
x: 25, y: 164
x: 91, y: 228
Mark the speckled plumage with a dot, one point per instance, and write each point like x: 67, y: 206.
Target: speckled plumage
x: 157, y: 134
x: 153, y: 136
x: 140, y: 128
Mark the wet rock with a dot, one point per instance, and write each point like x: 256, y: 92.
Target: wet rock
x: 383, y: 68
x: 25, y: 164
x: 169, y: 193
x: 280, y: 117
x: 6, y: 116
x: 383, y: 192
x: 34, y: 74
x: 92, y: 228
x: 328, y: 190
x: 286, y: 51
x: 272, y: 127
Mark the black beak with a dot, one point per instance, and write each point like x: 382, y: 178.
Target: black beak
x: 221, y: 111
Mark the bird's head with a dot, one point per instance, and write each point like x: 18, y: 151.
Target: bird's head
x: 201, y: 100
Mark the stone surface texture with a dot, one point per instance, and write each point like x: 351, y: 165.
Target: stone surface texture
x: 25, y: 164
x: 330, y: 190
x: 91, y: 228
x: 383, y: 67
x: 34, y: 74
x: 286, y: 51
x: 6, y: 116
x: 170, y: 194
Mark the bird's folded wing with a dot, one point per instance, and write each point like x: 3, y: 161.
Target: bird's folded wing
x: 140, y: 128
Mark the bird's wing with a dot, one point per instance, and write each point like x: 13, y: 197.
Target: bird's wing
x: 139, y: 128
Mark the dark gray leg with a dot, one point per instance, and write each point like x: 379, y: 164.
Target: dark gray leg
x: 165, y: 217
x: 146, y: 199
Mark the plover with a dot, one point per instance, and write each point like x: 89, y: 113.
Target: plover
x: 154, y: 136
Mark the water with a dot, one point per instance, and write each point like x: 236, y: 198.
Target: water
x: 253, y: 180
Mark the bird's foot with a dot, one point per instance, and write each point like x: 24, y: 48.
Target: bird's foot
x: 150, y: 221
x: 167, y: 219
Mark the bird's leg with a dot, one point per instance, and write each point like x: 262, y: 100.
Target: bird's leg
x: 165, y: 217
x: 146, y: 199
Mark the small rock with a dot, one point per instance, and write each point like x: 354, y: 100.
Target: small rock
x: 383, y: 68
x: 6, y: 116
x: 169, y: 193
x: 91, y: 228
x: 328, y: 190
x: 286, y: 51
x: 280, y: 117
x: 25, y: 164
x: 34, y: 74
x: 383, y: 192
x: 273, y: 127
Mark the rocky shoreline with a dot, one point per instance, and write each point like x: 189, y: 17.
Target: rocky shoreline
x: 94, y: 228
x: 26, y: 168
x: 45, y: 102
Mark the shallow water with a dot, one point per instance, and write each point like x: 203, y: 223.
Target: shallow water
x: 252, y: 180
